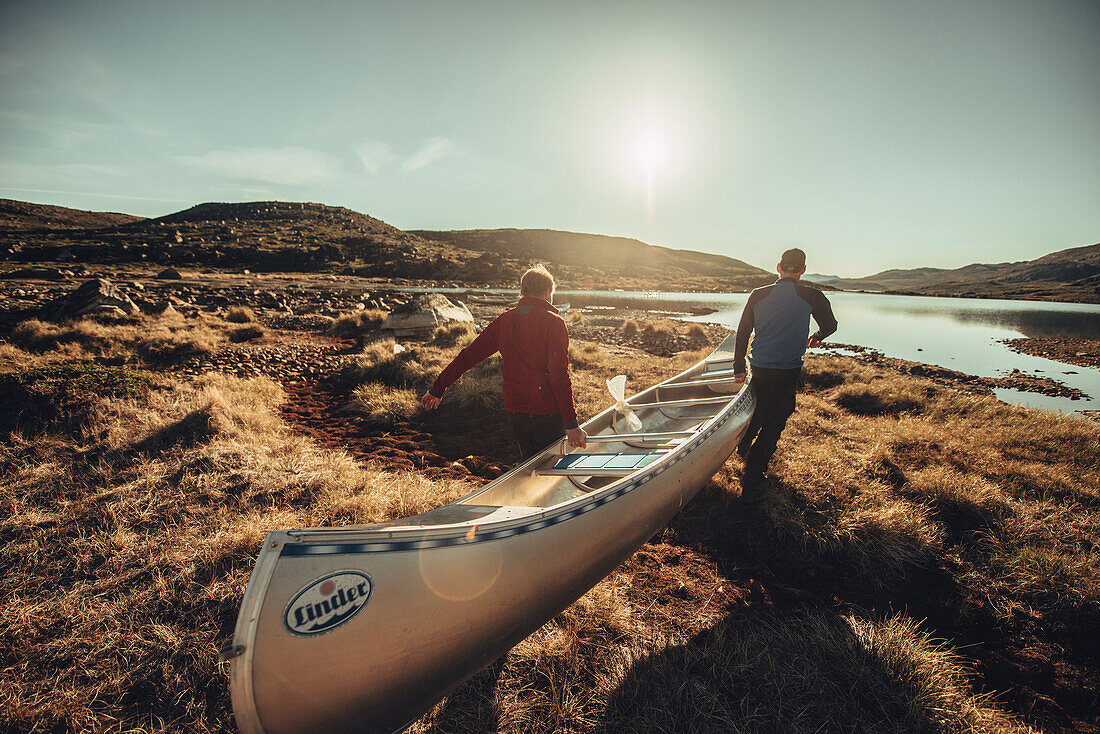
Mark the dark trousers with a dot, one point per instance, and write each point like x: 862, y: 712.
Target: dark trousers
x: 536, y: 432
x: 775, y: 391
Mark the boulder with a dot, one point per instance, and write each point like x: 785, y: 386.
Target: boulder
x: 169, y: 274
x: 424, y: 313
x: 96, y: 296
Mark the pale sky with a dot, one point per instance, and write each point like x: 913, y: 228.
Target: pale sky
x: 871, y: 134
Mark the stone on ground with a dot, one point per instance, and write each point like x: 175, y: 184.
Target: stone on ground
x: 96, y: 296
x: 424, y: 313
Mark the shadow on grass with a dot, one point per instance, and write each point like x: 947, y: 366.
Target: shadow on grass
x: 796, y: 672
x: 191, y: 430
x: 790, y: 541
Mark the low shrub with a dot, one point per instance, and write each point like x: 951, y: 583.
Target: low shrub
x: 240, y: 315
x: 246, y: 333
x: 817, y: 374
x: 697, y: 334
x: 798, y: 672
x: 583, y: 355
x: 42, y: 336
x: 168, y: 343
x: 391, y: 364
x: 358, y: 323
x: 869, y: 400
x: 630, y: 328
x: 653, y: 331
x: 383, y: 404
x: 452, y: 333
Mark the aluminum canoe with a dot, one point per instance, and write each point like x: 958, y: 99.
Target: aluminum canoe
x: 364, y: 628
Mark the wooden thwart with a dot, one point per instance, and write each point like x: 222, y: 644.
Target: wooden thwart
x: 618, y: 437
x: 693, y: 383
x: 683, y: 403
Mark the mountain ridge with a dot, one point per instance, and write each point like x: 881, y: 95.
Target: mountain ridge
x: 309, y: 237
x: 631, y: 257
x: 1071, y: 274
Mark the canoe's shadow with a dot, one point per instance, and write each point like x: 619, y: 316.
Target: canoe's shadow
x: 756, y: 671
x: 766, y: 672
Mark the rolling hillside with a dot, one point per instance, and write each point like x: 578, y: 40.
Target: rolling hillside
x: 1066, y: 275
x: 22, y: 216
x: 638, y: 264
x: 309, y: 237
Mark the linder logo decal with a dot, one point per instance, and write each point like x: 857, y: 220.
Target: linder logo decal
x: 327, y: 603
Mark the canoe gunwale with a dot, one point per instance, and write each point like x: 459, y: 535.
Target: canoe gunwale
x: 419, y: 537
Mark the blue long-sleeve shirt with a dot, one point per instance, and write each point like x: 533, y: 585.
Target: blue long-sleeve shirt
x: 780, y: 315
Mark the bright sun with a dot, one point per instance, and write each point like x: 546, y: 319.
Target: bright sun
x: 649, y: 151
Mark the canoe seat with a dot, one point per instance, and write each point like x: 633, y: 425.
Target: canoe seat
x: 598, y: 465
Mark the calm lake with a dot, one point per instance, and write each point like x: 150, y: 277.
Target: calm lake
x: 959, y: 333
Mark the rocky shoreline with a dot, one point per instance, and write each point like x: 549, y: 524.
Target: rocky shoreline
x: 1016, y: 380
x: 1078, y: 352
x: 292, y: 304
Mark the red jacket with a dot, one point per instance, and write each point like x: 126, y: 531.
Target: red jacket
x: 534, y: 347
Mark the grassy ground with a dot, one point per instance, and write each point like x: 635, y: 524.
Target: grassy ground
x: 926, y: 560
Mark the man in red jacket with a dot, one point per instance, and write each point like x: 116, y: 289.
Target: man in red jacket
x: 534, y: 347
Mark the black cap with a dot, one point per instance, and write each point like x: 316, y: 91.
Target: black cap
x: 793, y: 259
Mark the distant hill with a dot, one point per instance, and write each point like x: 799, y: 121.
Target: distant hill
x: 293, y: 236
x: 634, y: 263
x: 280, y: 214
x: 263, y: 235
x: 819, y: 278
x: 1066, y: 275
x: 25, y: 216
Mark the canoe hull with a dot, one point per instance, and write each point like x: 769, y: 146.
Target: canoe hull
x: 440, y: 607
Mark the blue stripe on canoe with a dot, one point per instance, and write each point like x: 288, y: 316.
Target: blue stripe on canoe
x: 328, y: 549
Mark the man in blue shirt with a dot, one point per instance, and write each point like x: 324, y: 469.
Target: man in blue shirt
x: 780, y: 315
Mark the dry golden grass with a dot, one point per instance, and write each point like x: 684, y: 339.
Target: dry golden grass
x: 383, y: 404
x: 357, y: 323
x: 697, y: 333
x: 128, y: 546
x: 454, y: 332
x: 770, y: 672
x: 129, y: 538
x: 151, y: 338
x: 1015, y: 492
x: 658, y: 329
x: 394, y: 364
x: 480, y: 388
x: 240, y: 315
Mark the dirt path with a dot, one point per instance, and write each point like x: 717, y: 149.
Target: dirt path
x: 314, y: 409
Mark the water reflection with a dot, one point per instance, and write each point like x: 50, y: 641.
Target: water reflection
x: 1029, y: 318
x: 961, y: 334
